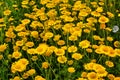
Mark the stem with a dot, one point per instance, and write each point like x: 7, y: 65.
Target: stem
x: 67, y: 42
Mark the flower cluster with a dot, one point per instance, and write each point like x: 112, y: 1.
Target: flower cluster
x: 59, y: 40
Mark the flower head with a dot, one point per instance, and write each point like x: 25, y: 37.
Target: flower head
x: 62, y: 59
x: 103, y: 19
x: 7, y: 12
x: 3, y: 47
x: 115, y: 29
x: 92, y: 76
x: 71, y: 69
x: 84, y: 44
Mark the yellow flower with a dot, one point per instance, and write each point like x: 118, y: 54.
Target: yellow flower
x: 17, y: 78
x: 94, y: 60
x: 109, y: 38
x: 22, y: 34
x: 41, y: 49
x: 119, y: 15
x: 93, y: 3
x: 117, y: 51
x: 94, y: 46
x: 80, y: 25
x: 44, y: 1
x: 77, y: 6
x: 67, y: 27
x: 29, y: 44
x: 77, y: 56
x: 84, y: 44
x: 31, y: 72
x: 16, y: 48
x: 24, y: 48
x: 43, y: 17
x: 105, y: 49
x: 86, y: 30
x: 70, y: 62
x: 50, y: 5
x: 65, y: 12
x: 52, y: 13
x: 45, y: 65
x: 98, y: 51
x: 1, y: 56
x: 103, y: 19
x: 48, y: 35
x: 61, y: 42
x: 23, y: 61
x: 59, y: 52
x: 89, y: 50
x: 11, y: 19
x: 112, y: 53
x: 57, y: 26
x: 83, y: 13
x: 16, y: 54
x: 24, y: 2
x: 3, y: 47
x: 111, y: 15
x: 7, y: 12
x: 56, y: 1
x: 64, y: 47
x: 108, y: 29
x: 81, y: 79
x: 52, y: 48
x: 97, y: 67
x: 71, y: 69
x: 117, y: 44
x: 102, y: 26
x: 92, y: 76
x: 15, y: 5
x: 49, y: 52
x: 10, y: 34
x: 1, y: 20
x: 25, y: 75
x: 117, y: 78
x: 95, y: 13
x: 99, y: 9
x: 25, y: 21
x: 73, y: 38
x: 31, y: 51
x: 68, y: 19
x: 24, y: 6
x: 89, y: 66
x: 110, y: 76
x: 72, y: 49
x: 101, y: 3
x: 34, y: 58
x: 76, y: 31
x: 34, y: 34
x: 84, y: 74
x: 109, y: 63
x: 101, y: 72
x: 18, y: 66
x: 65, y: 1
x: 2, y: 25
x: 36, y: 24
x: 20, y: 27
x: 39, y: 78
x: 91, y: 20
x: 62, y: 59
x: 19, y: 43
x: 56, y: 37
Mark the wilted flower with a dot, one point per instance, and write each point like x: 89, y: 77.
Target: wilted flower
x: 115, y: 29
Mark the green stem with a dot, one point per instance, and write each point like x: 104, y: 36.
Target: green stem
x: 67, y: 42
